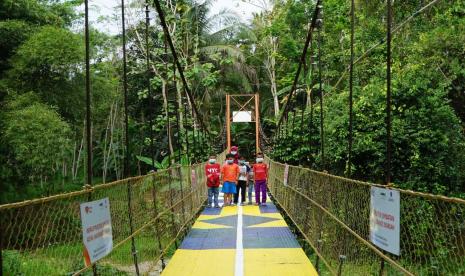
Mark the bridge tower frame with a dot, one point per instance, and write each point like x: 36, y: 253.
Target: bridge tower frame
x: 244, y: 102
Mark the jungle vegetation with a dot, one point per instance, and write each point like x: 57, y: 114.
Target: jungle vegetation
x: 42, y: 90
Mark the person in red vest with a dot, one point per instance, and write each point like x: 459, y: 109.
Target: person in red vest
x: 260, y: 174
x: 235, y: 153
x: 212, y: 172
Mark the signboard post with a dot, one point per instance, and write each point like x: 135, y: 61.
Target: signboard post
x: 96, y: 230
x: 286, y: 174
x: 385, y: 219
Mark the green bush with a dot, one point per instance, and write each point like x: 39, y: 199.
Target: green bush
x: 11, y: 263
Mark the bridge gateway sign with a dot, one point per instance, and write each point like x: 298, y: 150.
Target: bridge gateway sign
x: 96, y: 230
x: 242, y: 116
x: 385, y: 219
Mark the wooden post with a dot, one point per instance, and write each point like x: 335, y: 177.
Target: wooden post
x: 228, y: 121
x: 257, y: 125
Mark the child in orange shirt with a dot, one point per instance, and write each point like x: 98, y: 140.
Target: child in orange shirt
x: 229, y: 175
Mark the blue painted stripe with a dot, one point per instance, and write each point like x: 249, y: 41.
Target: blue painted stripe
x: 202, y: 239
x: 269, y: 237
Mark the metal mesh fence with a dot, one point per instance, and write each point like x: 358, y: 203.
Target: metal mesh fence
x: 333, y: 214
x: 44, y: 236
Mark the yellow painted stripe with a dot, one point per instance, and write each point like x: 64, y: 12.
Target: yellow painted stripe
x: 205, y: 217
x: 228, y: 211
x: 201, y: 262
x: 205, y: 225
x: 277, y: 262
x: 276, y: 223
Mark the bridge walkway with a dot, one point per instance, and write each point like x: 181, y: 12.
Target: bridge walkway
x: 240, y: 240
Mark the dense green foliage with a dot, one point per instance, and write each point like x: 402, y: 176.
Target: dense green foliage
x: 37, y: 146
x: 427, y: 100
x: 42, y: 80
x: 42, y: 96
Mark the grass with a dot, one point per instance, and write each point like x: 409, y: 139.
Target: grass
x: 66, y: 259
x: 41, y: 262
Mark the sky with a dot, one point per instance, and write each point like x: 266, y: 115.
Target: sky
x: 102, y: 8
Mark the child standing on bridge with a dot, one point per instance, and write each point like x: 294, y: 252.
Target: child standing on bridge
x: 250, y: 184
x: 212, y: 171
x: 242, y: 181
x: 229, y: 175
x: 260, y: 173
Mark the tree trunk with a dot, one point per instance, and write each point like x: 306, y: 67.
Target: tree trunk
x: 180, y: 112
x: 165, y: 106
x: 76, y: 168
x: 270, y: 65
x: 104, y: 169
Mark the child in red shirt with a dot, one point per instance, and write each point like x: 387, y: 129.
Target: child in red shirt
x: 212, y: 172
x: 260, y: 174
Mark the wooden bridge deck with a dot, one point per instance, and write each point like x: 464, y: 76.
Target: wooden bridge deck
x: 240, y: 240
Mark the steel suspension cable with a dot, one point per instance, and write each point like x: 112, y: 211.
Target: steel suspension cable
x: 168, y: 120
x: 302, y: 115
x: 152, y: 134
x: 286, y: 128
x: 303, y: 106
x: 125, y: 94
x: 310, y: 139
x: 293, y: 120
x: 178, y: 136
x: 88, y: 107
x: 310, y: 126
x: 126, y: 134
x: 194, y: 139
x: 161, y: 16
x: 301, y: 60
x: 178, y: 114
x: 351, y: 84
x: 388, y: 92
x: 320, y: 88
x: 88, y: 96
x: 126, y: 165
x: 186, y: 131
x: 148, y: 76
x: 388, y: 104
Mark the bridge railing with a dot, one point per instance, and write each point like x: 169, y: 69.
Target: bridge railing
x: 333, y: 215
x: 44, y: 236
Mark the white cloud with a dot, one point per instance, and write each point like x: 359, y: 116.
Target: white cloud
x: 110, y: 8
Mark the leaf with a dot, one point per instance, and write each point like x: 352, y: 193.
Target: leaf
x: 146, y: 160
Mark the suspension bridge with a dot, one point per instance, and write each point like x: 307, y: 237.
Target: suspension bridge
x: 315, y: 222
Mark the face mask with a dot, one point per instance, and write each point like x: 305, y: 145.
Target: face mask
x: 233, y: 152
x: 242, y: 162
x: 212, y: 161
x: 259, y: 160
x: 230, y: 161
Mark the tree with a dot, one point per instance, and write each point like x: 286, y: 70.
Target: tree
x: 50, y: 63
x: 38, y: 138
x: 12, y: 34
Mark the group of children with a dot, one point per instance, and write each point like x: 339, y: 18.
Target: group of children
x: 237, y: 176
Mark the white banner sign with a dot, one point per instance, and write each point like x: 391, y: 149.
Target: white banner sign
x: 286, y: 174
x: 242, y: 116
x: 385, y: 219
x: 96, y: 230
